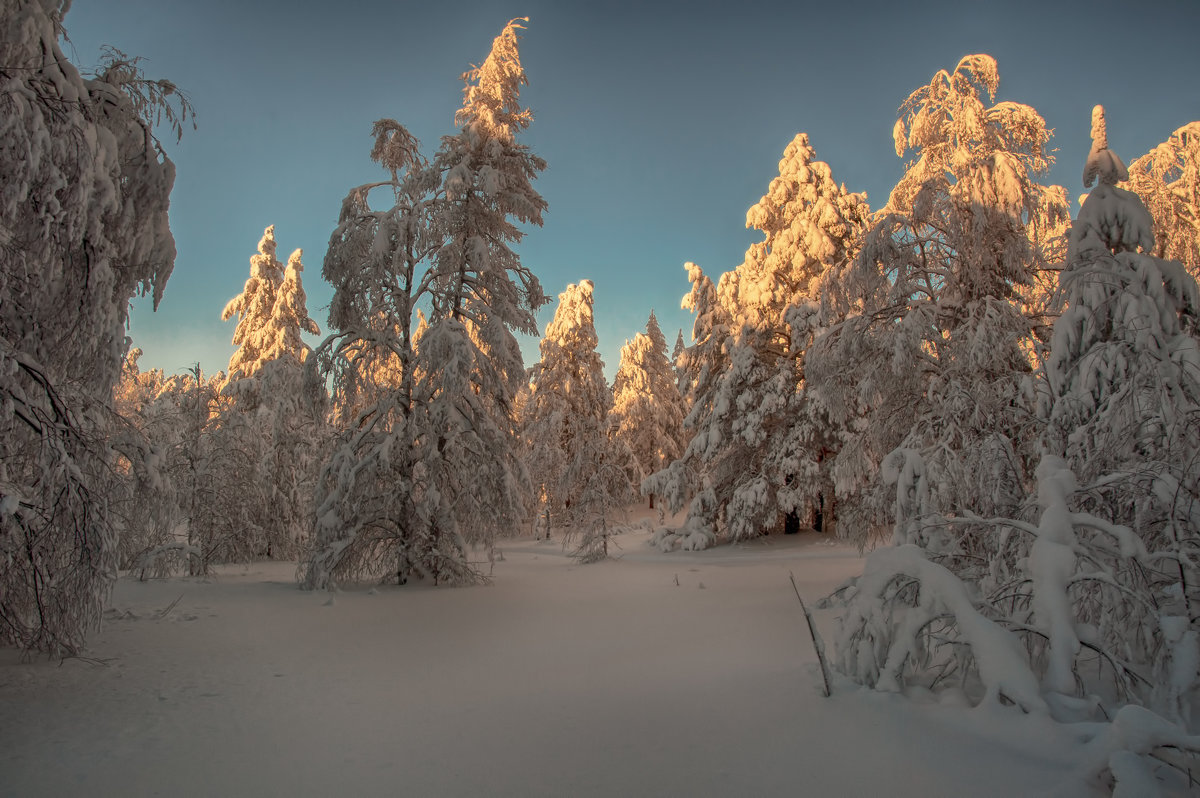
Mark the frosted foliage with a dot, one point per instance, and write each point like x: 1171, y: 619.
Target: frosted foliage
x: 648, y: 411
x: 1091, y: 579
x: 273, y: 418
x: 490, y: 97
x: 1060, y: 595
x: 1124, y: 370
x: 906, y: 612
x: 215, y: 478
x: 83, y: 209
x: 427, y: 465
x: 271, y: 311
x: 199, y: 521
x: 579, y: 471
x: 144, y: 503
x: 1167, y: 179
x: 934, y: 346
x: 759, y: 448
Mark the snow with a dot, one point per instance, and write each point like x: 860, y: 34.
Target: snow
x: 620, y: 678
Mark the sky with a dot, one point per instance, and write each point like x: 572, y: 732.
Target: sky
x: 661, y: 123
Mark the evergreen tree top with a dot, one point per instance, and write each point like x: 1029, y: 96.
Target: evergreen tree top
x: 1102, y: 163
x: 491, y: 97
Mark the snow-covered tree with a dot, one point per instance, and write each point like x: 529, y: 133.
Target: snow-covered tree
x: 143, y: 498
x: 429, y: 465
x: 682, y: 483
x: 677, y: 356
x: 182, y: 504
x: 754, y: 462
x: 253, y: 307
x: 1123, y: 408
x: 648, y: 411
x: 1085, y: 599
x: 1167, y: 179
x: 84, y: 190
x: 365, y: 504
x: 271, y: 312
x: 935, y: 349
x: 273, y: 416
x: 578, y: 471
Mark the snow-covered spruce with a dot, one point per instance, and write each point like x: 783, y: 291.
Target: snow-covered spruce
x: 84, y: 190
x: 272, y: 414
x: 759, y: 448
x: 580, y: 472
x: 648, y: 410
x: 271, y: 312
x: 427, y: 465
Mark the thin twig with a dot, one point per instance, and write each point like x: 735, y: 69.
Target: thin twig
x: 818, y: 644
x: 164, y: 613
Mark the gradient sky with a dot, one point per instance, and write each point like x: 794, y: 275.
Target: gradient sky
x: 661, y: 122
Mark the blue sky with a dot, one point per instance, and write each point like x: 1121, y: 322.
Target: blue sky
x: 661, y: 122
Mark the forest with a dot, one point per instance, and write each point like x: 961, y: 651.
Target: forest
x: 990, y: 389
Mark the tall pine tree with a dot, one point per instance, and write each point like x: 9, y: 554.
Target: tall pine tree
x: 579, y: 473
x: 429, y: 465
x: 272, y: 418
x: 648, y: 411
x: 749, y: 464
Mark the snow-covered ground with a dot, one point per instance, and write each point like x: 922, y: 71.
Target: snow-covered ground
x: 557, y: 679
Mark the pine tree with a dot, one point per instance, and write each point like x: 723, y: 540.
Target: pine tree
x: 273, y: 418
x: 428, y: 464
x: 755, y: 466
x: 648, y: 411
x: 677, y: 356
x: 271, y: 312
x: 253, y: 307
x: 579, y: 473
x: 84, y: 190
x: 682, y: 483
x: 1123, y: 411
x: 482, y: 294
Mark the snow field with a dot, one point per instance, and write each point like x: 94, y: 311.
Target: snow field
x: 557, y: 679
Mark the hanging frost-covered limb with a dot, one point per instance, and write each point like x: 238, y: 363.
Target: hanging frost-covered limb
x: 427, y: 464
x: 84, y: 189
x: 757, y: 452
x: 935, y: 349
x: 1167, y: 179
x: 1122, y: 405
